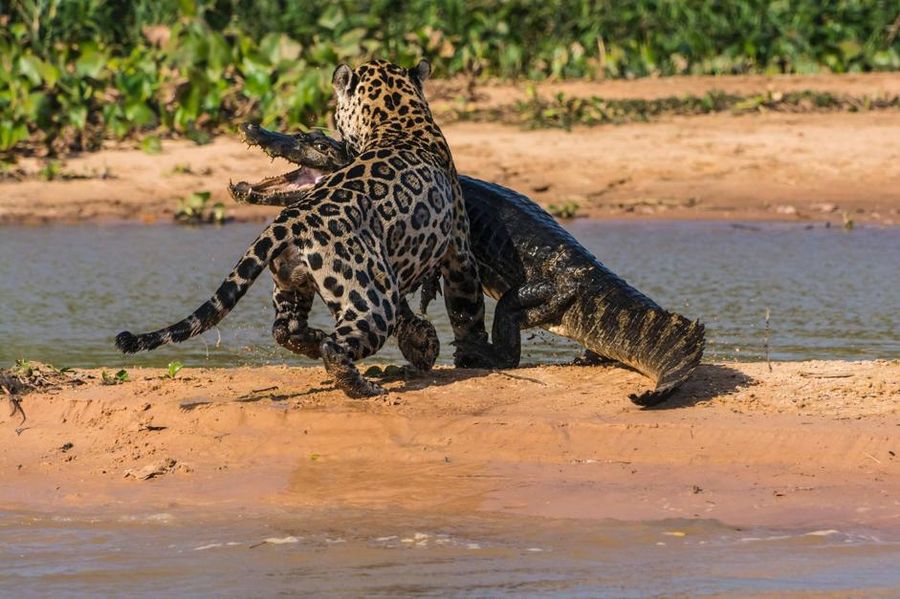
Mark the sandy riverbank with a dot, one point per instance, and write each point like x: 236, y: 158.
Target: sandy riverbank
x: 808, y: 444
x: 766, y: 166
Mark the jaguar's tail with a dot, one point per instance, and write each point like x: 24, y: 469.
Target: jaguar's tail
x: 211, y: 312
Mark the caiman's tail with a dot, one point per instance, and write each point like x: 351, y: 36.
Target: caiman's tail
x: 212, y: 311
x: 661, y: 345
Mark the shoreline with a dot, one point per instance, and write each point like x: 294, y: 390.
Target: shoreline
x: 811, y: 167
x: 810, y: 444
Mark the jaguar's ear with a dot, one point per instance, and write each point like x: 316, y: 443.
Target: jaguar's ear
x: 421, y: 72
x: 343, y: 80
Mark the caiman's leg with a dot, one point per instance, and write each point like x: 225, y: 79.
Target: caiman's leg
x: 528, y: 306
x: 417, y: 338
x: 292, y: 307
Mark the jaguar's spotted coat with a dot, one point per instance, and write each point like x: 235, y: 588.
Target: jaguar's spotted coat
x: 363, y: 236
x: 316, y: 154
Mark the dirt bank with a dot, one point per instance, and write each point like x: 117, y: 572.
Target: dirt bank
x: 818, y: 167
x: 808, y: 444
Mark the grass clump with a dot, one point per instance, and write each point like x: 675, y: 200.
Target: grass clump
x: 565, y: 210
x: 193, y: 210
x: 114, y: 379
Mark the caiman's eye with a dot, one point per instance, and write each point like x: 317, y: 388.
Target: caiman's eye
x: 320, y: 146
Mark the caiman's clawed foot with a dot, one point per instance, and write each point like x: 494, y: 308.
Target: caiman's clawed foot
x: 649, y: 399
x: 478, y: 354
x: 589, y: 358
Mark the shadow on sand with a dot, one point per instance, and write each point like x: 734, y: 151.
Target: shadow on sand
x: 709, y: 382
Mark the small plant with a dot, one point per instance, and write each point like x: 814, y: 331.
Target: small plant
x: 51, y: 170
x: 24, y: 367
x: 174, y: 368
x: 565, y: 210
x: 151, y: 145
x: 193, y: 211
x: 848, y: 222
x: 114, y: 379
x: 182, y: 169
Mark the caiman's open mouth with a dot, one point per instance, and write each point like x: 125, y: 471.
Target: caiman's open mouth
x: 274, y: 145
x: 293, y: 181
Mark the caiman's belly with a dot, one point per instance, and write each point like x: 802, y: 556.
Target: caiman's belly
x: 558, y: 329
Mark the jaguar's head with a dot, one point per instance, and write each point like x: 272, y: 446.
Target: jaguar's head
x: 378, y: 97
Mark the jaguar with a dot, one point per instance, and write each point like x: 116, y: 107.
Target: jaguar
x: 362, y: 237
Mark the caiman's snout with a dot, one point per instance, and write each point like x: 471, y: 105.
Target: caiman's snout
x: 240, y: 191
x: 249, y: 133
x: 276, y: 145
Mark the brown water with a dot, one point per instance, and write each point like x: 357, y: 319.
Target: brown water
x: 831, y: 294
x: 68, y: 290
x: 403, y: 554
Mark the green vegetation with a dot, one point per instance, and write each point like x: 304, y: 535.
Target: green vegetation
x: 173, y: 368
x: 113, y: 379
x: 73, y: 72
x: 565, y: 210
x: 193, y: 210
x: 566, y: 112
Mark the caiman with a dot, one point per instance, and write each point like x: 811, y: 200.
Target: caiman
x: 538, y: 272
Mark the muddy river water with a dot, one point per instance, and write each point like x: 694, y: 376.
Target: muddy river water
x: 830, y: 293
x: 396, y: 554
x: 67, y: 291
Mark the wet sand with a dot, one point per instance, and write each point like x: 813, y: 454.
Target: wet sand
x: 809, y: 444
x: 764, y: 166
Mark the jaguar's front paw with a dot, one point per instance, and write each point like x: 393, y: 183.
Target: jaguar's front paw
x: 419, y: 343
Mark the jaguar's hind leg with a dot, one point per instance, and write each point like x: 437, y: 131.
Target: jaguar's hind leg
x: 290, y: 329
x: 365, y: 303
x: 417, y: 339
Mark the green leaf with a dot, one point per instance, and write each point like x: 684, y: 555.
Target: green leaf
x: 174, y: 368
x: 91, y: 61
x: 197, y: 200
x: 78, y: 116
x: 139, y: 113
x: 332, y: 17
x: 151, y: 144
x: 12, y: 133
x: 30, y: 67
x: 278, y: 47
